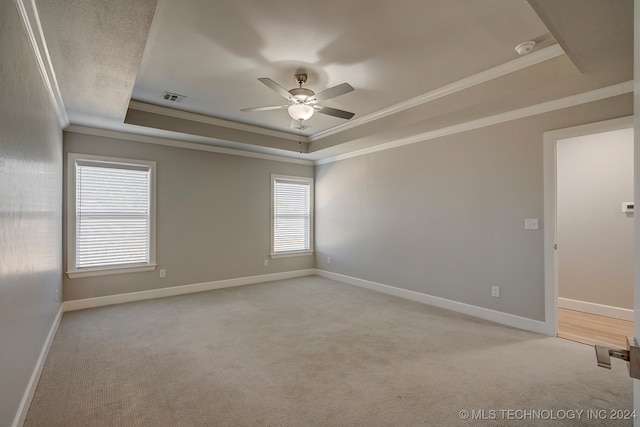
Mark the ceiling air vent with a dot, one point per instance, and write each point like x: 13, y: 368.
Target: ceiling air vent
x: 173, y: 97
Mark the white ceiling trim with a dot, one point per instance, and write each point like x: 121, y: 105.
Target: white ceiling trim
x: 589, y: 128
x: 474, y: 80
x: 186, y: 115
x: 468, y: 82
x: 31, y: 21
x: 85, y: 130
x: 545, y: 107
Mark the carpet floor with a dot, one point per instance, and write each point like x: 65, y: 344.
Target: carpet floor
x: 314, y: 352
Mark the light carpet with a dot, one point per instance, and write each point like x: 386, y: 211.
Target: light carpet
x: 314, y: 352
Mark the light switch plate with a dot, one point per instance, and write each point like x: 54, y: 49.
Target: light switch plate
x: 531, y: 223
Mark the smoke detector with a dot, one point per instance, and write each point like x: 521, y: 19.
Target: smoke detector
x: 525, y: 48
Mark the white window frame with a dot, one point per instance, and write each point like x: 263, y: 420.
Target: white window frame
x: 302, y: 180
x: 72, y: 162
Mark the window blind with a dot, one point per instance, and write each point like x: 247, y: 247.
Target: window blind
x: 291, y: 216
x: 112, y: 215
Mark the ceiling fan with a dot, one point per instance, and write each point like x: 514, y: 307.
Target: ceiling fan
x: 303, y: 102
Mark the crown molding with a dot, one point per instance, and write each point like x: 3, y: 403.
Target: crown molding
x: 468, y: 82
x: 545, y: 107
x: 474, y: 80
x: 557, y: 104
x: 31, y: 20
x: 86, y: 130
x: 201, y: 118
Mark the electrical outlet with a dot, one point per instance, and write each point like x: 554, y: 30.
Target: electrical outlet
x: 57, y: 295
x: 531, y: 223
x: 163, y: 272
x: 495, y: 291
x: 328, y: 260
x: 266, y: 263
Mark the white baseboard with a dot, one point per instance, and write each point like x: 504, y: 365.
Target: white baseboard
x: 593, y: 308
x: 27, y: 397
x: 80, y: 304
x: 460, y: 307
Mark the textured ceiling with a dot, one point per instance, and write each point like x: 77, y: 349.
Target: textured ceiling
x: 96, y: 48
x: 114, y: 59
x: 596, y: 34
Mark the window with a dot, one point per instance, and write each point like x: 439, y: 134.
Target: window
x: 292, y: 215
x: 111, y: 215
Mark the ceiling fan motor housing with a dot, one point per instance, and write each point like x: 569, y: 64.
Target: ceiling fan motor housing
x: 301, y: 93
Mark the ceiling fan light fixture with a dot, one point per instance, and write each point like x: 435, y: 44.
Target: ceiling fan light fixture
x: 300, y: 111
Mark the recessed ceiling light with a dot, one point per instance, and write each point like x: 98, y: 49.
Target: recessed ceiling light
x: 525, y: 48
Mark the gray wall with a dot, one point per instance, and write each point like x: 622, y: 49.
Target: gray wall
x: 30, y: 212
x: 445, y: 217
x: 213, y: 216
x: 595, y: 239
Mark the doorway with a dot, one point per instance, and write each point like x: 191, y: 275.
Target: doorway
x: 589, y: 233
x: 594, y: 220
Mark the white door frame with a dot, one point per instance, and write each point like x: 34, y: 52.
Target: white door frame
x: 550, y: 208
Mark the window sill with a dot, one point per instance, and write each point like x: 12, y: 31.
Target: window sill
x: 77, y: 274
x: 291, y: 254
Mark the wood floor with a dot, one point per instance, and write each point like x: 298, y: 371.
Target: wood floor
x: 592, y: 329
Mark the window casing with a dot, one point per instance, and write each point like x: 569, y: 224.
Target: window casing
x: 291, y: 216
x: 110, y: 215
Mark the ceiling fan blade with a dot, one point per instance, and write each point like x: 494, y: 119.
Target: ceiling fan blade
x: 298, y: 125
x: 333, y: 112
x: 265, y: 108
x: 277, y: 88
x: 332, y: 92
